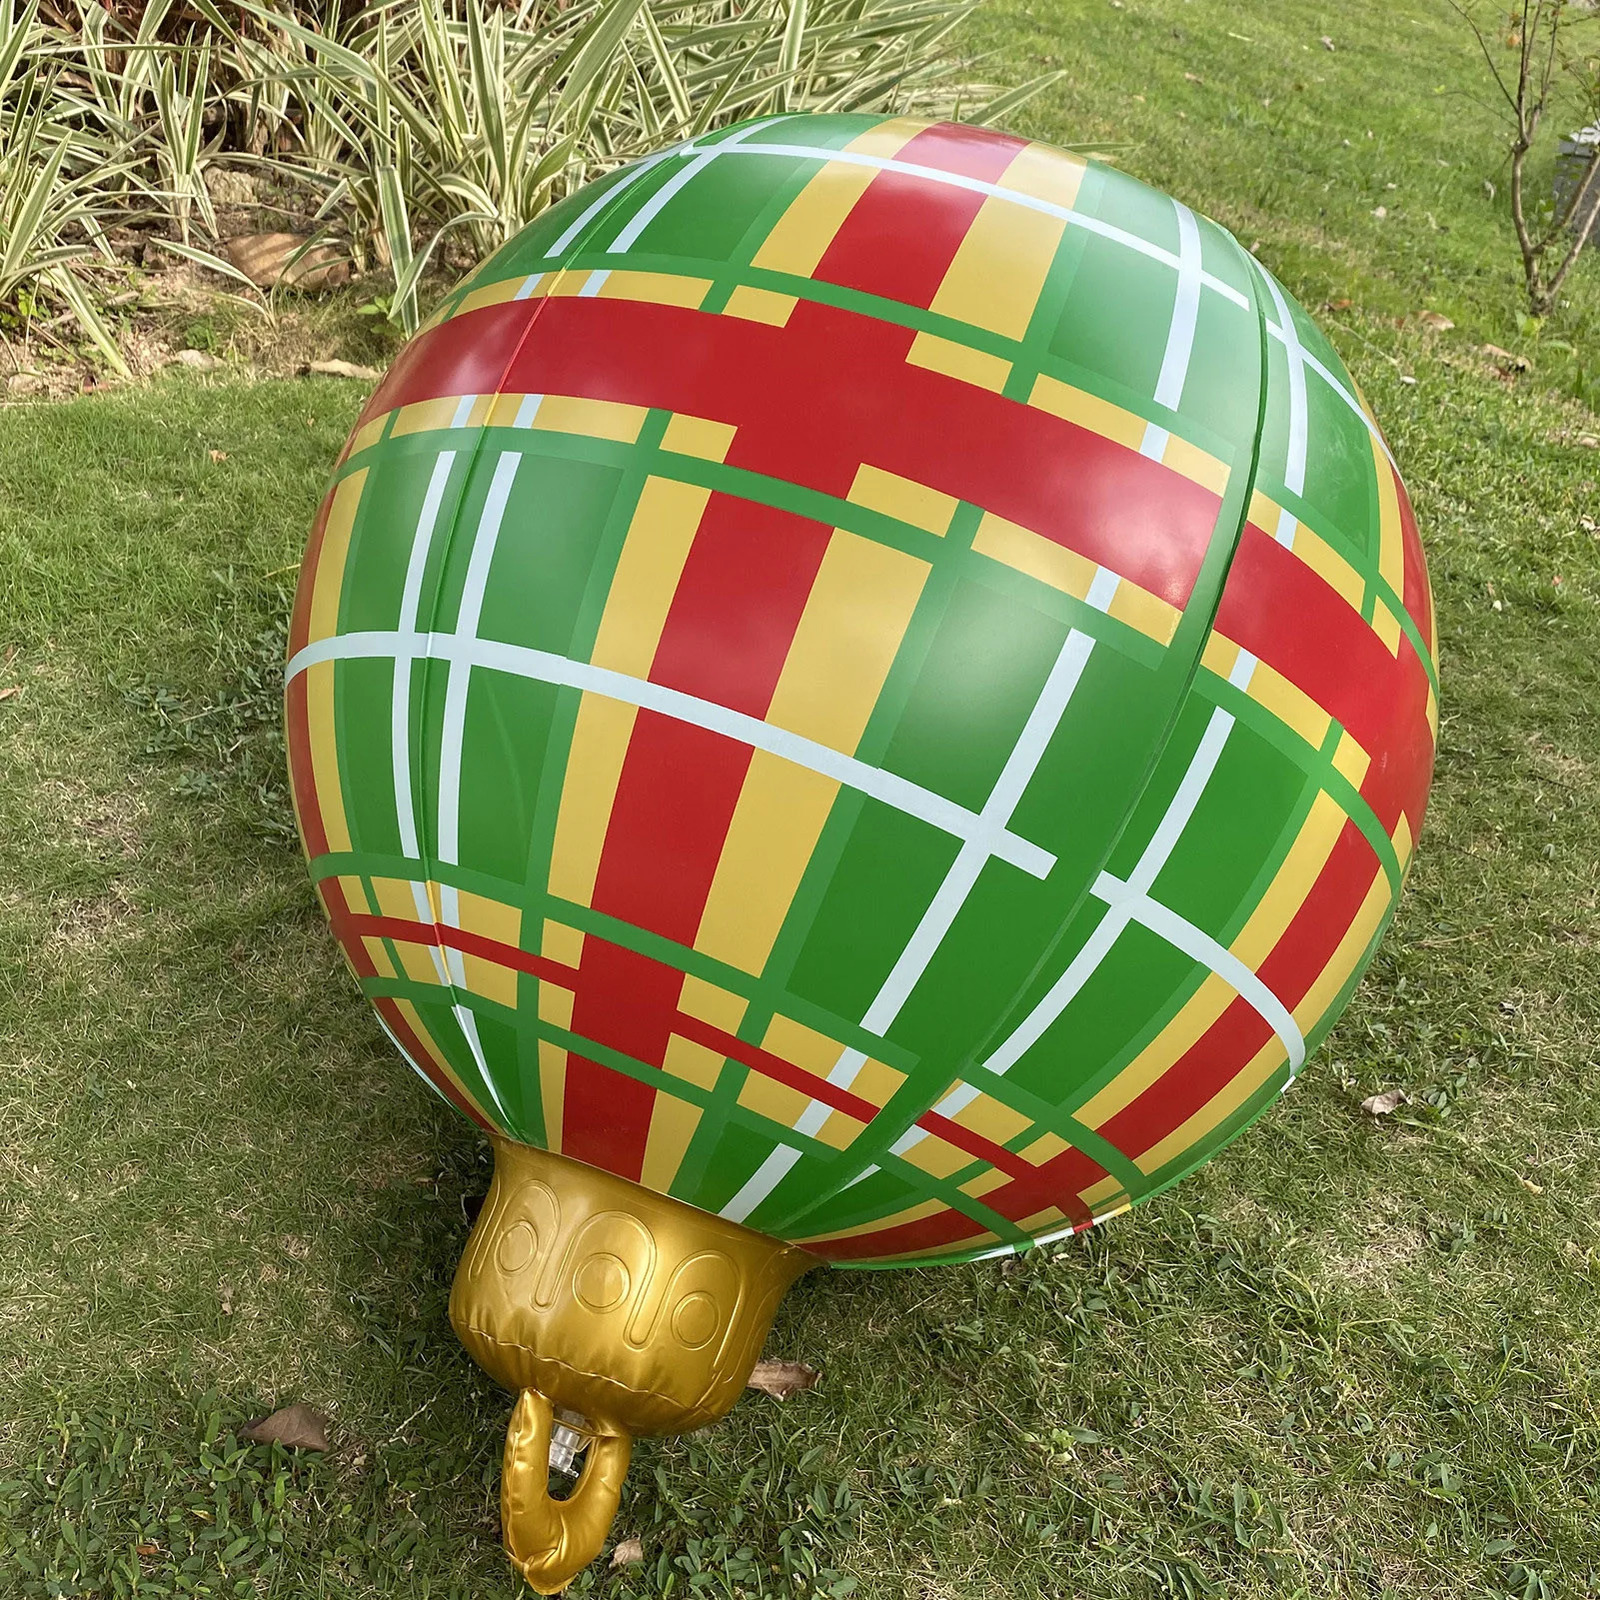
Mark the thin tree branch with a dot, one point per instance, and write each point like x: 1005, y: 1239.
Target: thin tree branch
x: 1588, y: 189
x: 1524, y: 66
x: 1483, y: 45
x: 1519, y: 155
x: 1531, y: 252
x: 1549, y: 56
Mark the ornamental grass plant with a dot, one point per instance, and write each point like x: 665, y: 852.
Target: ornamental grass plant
x: 403, y: 133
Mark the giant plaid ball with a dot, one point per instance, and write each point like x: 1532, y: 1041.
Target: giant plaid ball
x: 875, y: 678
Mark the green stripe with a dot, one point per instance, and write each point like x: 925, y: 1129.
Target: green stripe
x: 1319, y: 764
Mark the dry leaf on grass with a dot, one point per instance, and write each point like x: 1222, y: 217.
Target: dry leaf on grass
x: 1435, y: 320
x: 1507, y: 358
x: 9, y: 692
x: 627, y: 1554
x: 198, y: 359
x: 268, y: 259
x: 781, y: 1379
x: 342, y: 369
x: 217, y: 455
x: 1380, y: 1105
x: 296, y: 1427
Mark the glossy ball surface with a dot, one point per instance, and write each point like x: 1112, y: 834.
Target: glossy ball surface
x: 876, y: 678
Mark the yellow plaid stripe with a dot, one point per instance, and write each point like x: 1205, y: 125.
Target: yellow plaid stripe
x: 859, y: 608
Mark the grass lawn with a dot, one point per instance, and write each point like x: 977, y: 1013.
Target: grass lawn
x: 1351, y: 1357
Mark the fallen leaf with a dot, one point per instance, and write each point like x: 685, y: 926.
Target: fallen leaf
x: 296, y: 1427
x: 1530, y: 1185
x: 780, y: 1379
x: 1338, y: 305
x: 1380, y: 212
x: 271, y: 259
x: 217, y: 455
x: 1589, y: 441
x: 1380, y: 1105
x: 1327, y: 43
x: 342, y: 369
x: 627, y: 1554
x: 1407, y: 379
x: 1588, y: 525
x: 1435, y: 320
x: 1507, y: 357
x: 198, y: 359
x: 1193, y: 77
x: 9, y: 692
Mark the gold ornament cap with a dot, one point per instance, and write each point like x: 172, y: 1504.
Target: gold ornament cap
x: 582, y: 1291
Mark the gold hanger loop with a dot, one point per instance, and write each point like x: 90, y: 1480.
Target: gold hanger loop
x: 551, y: 1541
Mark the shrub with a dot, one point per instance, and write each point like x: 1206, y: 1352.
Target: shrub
x: 403, y: 130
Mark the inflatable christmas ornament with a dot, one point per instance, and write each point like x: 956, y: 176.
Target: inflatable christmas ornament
x: 862, y: 693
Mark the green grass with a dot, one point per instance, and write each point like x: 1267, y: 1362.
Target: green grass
x: 1348, y: 1358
